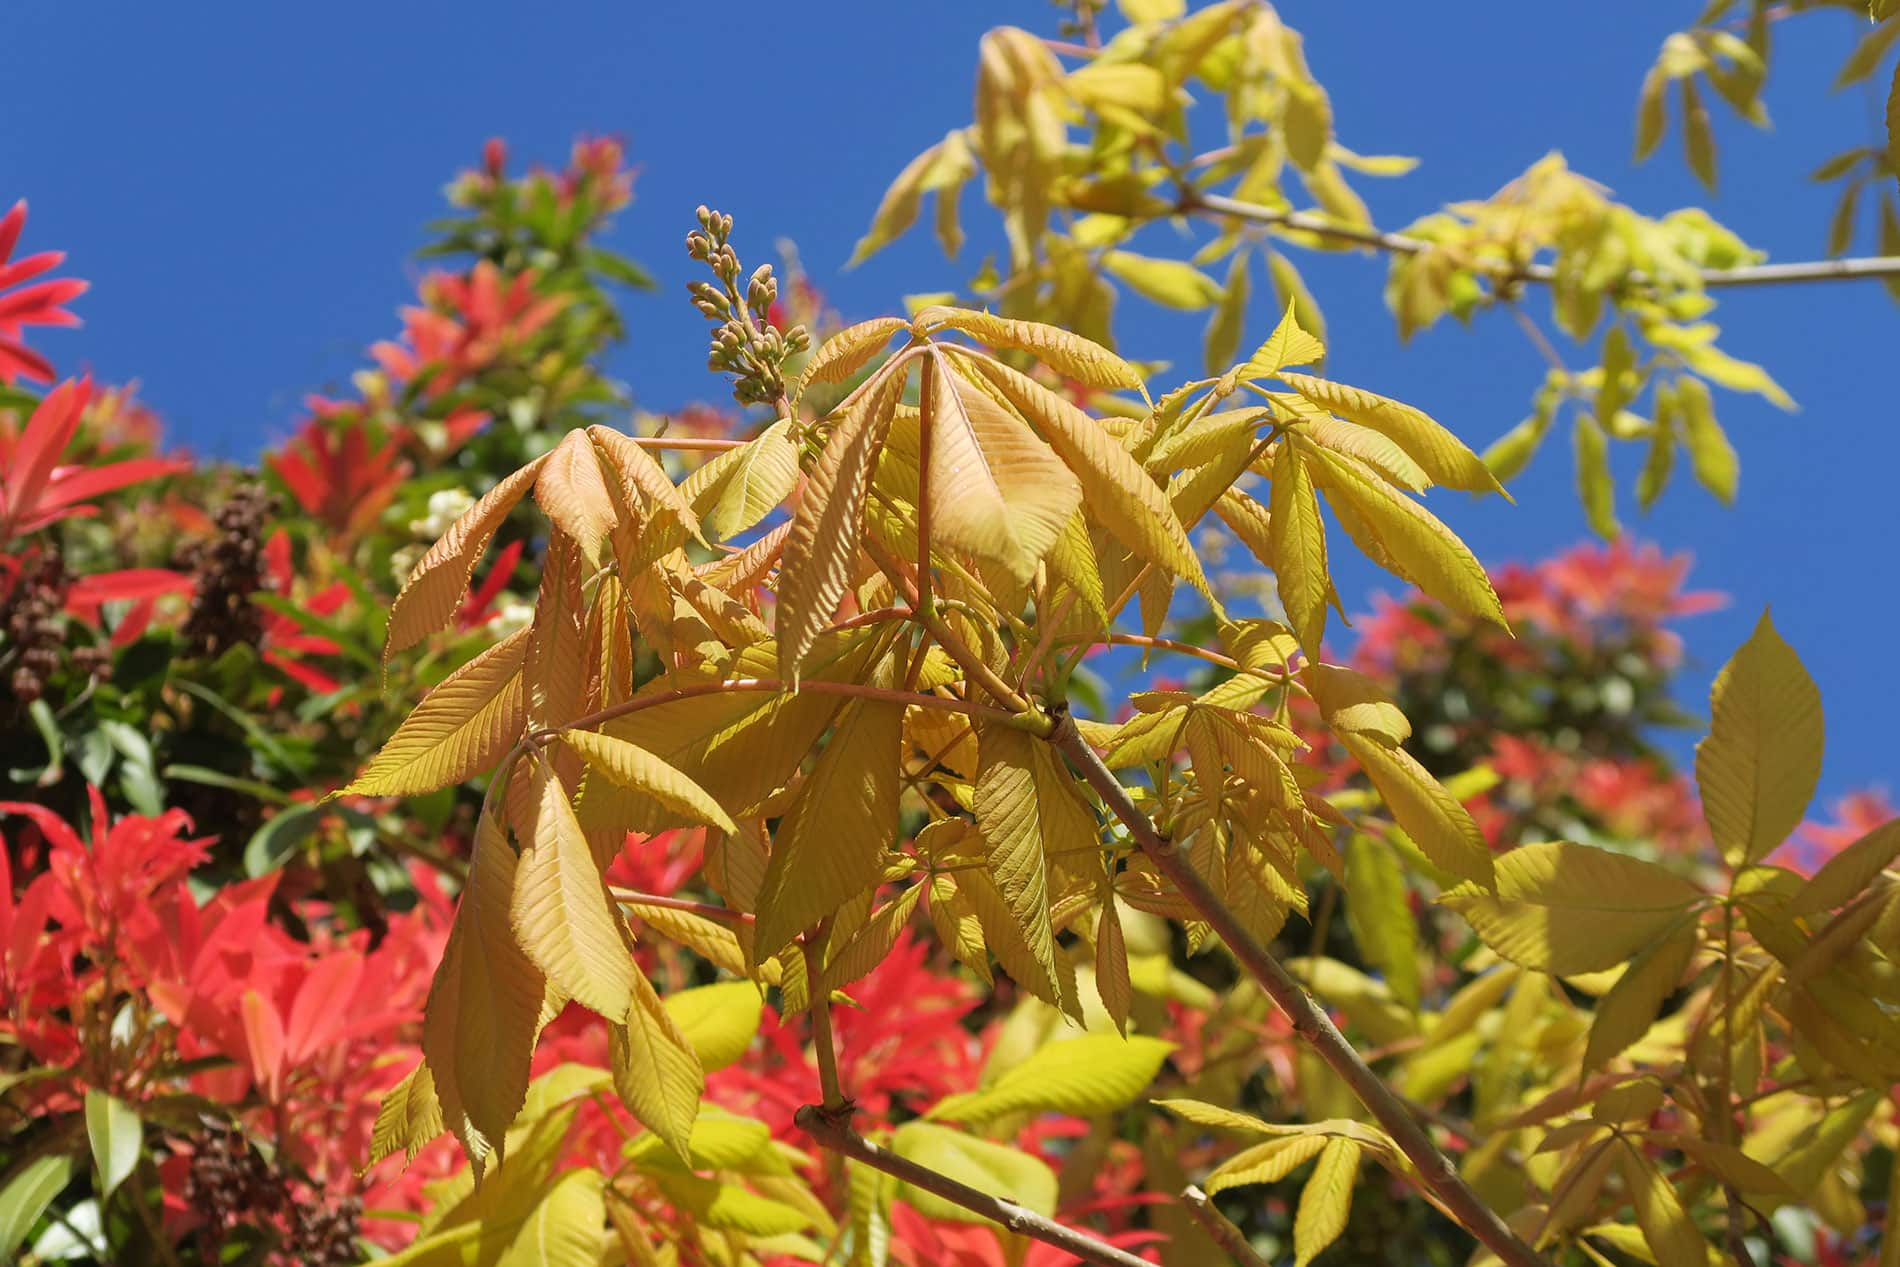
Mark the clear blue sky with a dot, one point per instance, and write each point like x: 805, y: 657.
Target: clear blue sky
x: 243, y: 183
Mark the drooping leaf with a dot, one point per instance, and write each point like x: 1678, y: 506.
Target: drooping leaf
x: 656, y: 1071
x: 1299, y: 548
x: 1670, y: 1232
x: 1759, y: 765
x: 1008, y: 812
x: 573, y: 494
x: 830, y: 843
x: 1848, y: 873
x: 1222, y: 341
x: 462, y: 727
x: 1118, y: 492
x: 117, y: 1138
x: 1326, y: 1200
x: 1265, y: 1163
x: 638, y: 770
x: 822, y: 546
x: 1170, y: 283
x: 1625, y: 1013
x: 561, y: 914
x: 1596, y: 486
x: 1440, y: 826
x: 484, y: 1005
x: 1379, y: 911
x: 1710, y: 453
x: 1402, y: 536
x: 1437, y: 451
x: 409, y: 1116
x: 435, y: 587
x: 995, y: 488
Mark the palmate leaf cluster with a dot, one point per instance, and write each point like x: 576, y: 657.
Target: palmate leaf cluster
x: 864, y: 618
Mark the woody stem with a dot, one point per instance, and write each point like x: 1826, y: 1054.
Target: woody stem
x: 1435, y: 1170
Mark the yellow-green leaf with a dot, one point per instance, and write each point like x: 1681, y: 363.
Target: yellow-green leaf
x: 1298, y: 543
x: 634, y: 768
x: 1087, y: 1076
x: 1710, y: 453
x: 462, y: 727
x: 1290, y: 292
x: 656, y: 1071
x: 1267, y: 1162
x: 1698, y: 139
x: 1430, y: 815
x: 1672, y: 1235
x: 1652, y: 114
x: 409, y: 1116
x: 1119, y: 493
x: 741, y: 486
x: 561, y: 913
x: 830, y: 843
x: 1625, y: 1013
x: 1759, y: 765
x: 1402, y: 536
x: 1112, y: 981
x: 1848, y: 873
x: 1595, y: 485
x: 717, y: 1021
x: 1325, y: 1201
x: 1008, y: 813
x: 1379, y: 911
x: 1170, y: 283
x: 1442, y: 455
x: 117, y: 1138
x: 1565, y: 909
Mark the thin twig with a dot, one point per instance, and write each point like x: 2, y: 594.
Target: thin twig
x: 831, y: 1131
x: 1402, y: 244
x: 688, y: 443
x: 1544, y: 347
x: 1220, y: 1227
x: 705, y: 910
x: 1435, y: 1170
x: 849, y: 689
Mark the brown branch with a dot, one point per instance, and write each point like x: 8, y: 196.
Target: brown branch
x: 832, y: 1131
x: 1435, y: 1170
x: 1403, y: 244
x: 1220, y: 1227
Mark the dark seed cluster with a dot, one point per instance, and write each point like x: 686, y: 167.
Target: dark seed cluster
x: 229, y: 570
x: 30, y: 616
x: 230, y: 1182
